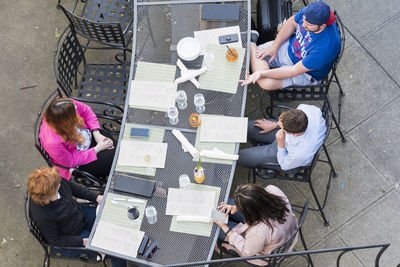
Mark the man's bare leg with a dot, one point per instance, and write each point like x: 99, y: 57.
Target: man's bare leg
x: 261, y: 64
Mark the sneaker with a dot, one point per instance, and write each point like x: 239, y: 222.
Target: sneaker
x: 254, y: 36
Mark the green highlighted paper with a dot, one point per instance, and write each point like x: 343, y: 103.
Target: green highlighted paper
x: 155, y: 72
x: 116, y: 208
x: 196, y: 228
x: 155, y: 135
x: 225, y: 75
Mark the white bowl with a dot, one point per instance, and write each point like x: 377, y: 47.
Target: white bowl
x: 188, y: 48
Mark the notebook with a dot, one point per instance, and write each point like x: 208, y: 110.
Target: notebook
x: 218, y: 12
x: 133, y: 185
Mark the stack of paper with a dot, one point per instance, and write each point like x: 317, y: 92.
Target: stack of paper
x: 142, y: 154
x: 224, y: 129
x: 198, y: 227
x: 212, y: 36
x: 190, y: 202
x: 152, y: 95
x: 225, y: 75
x: 121, y: 240
x: 155, y: 135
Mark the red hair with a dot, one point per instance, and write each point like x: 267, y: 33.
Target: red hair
x: 42, y: 184
x: 62, y: 117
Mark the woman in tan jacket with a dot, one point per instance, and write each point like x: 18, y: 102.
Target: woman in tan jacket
x: 259, y: 220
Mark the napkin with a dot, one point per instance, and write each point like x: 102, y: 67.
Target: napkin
x: 187, y: 147
x: 217, y: 154
x: 184, y: 218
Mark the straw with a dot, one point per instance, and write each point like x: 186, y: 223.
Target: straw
x: 230, y: 50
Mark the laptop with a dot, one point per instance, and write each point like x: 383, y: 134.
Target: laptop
x: 134, y: 185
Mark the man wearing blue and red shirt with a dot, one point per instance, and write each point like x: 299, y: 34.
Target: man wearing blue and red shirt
x: 302, y: 53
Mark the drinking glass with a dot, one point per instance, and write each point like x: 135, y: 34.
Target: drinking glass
x: 181, y: 99
x: 199, y: 102
x: 173, y: 115
x: 208, y: 60
x: 151, y: 214
x: 184, y: 181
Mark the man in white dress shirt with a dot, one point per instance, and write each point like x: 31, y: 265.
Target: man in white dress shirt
x: 291, y: 142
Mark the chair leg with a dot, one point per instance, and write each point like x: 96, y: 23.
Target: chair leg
x: 254, y: 176
x: 338, y: 128
x: 326, y: 223
x: 341, y: 94
x: 334, y: 173
x: 305, y: 248
x: 248, y: 175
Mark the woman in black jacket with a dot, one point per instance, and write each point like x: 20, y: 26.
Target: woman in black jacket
x: 62, y: 221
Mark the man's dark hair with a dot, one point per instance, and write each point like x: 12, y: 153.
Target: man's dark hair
x: 294, y: 121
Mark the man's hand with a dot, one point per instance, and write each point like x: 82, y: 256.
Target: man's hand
x: 85, y: 240
x: 250, y: 78
x: 280, y: 138
x: 265, y: 125
x: 265, y: 52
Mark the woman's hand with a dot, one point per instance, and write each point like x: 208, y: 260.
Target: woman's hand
x: 85, y: 240
x: 229, y: 209
x: 221, y: 224
x: 98, y: 137
x: 103, y: 144
x: 99, y: 199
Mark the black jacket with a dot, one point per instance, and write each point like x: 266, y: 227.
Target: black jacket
x: 61, y: 221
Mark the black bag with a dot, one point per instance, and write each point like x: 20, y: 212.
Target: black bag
x: 271, y: 13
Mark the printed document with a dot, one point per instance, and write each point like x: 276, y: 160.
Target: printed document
x: 187, y: 202
x: 142, y: 154
x: 223, y: 129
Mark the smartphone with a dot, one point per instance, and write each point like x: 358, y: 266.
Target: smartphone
x: 230, y: 38
x: 140, y: 132
x: 220, y: 216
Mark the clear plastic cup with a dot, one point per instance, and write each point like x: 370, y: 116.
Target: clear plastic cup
x: 151, y: 214
x: 184, y: 181
x: 181, y: 99
x: 173, y: 115
x: 208, y: 60
x: 199, y: 102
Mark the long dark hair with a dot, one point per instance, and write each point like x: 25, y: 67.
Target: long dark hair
x: 257, y: 205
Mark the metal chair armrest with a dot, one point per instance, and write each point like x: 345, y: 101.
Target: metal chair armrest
x: 99, y: 102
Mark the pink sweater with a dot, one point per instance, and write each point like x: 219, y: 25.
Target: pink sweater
x: 64, y: 153
x: 260, y: 239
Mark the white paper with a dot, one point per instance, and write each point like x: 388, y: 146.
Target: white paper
x: 186, y: 202
x: 182, y: 218
x: 122, y: 240
x: 212, y: 36
x: 223, y: 129
x: 186, y: 146
x: 217, y: 154
x: 142, y: 154
x: 152, y: 94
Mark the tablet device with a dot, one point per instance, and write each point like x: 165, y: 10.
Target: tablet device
x: 140, y: 132
x: 134, y: 185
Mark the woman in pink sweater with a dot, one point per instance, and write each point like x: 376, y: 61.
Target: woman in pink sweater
x: 71, y: 135
x: 260, y: 219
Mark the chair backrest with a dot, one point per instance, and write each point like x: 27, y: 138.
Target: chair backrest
x: 109, y: 33
x: 68, y: 55
x: 284, y: 247
x: 36, y: 130
x: 32, y: 226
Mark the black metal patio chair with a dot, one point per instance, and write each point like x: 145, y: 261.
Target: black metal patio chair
x: 98, y: 83
x: 49, y: 250
x: 108, y: 22
x: 283, y: 248
x: 78, y: 176
x: 310, y: 92
x: 303, y: 174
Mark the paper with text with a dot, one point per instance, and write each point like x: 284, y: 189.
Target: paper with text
x: 152, y: 95
x: 212, y: 36
x: 223, y: 129
x: 119, y: 239
x: 190, y: 202
x: 142, y: 154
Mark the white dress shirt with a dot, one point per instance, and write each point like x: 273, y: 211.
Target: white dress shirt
x: 299, y: 150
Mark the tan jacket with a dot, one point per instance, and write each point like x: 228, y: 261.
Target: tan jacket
x: 261, y: 239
